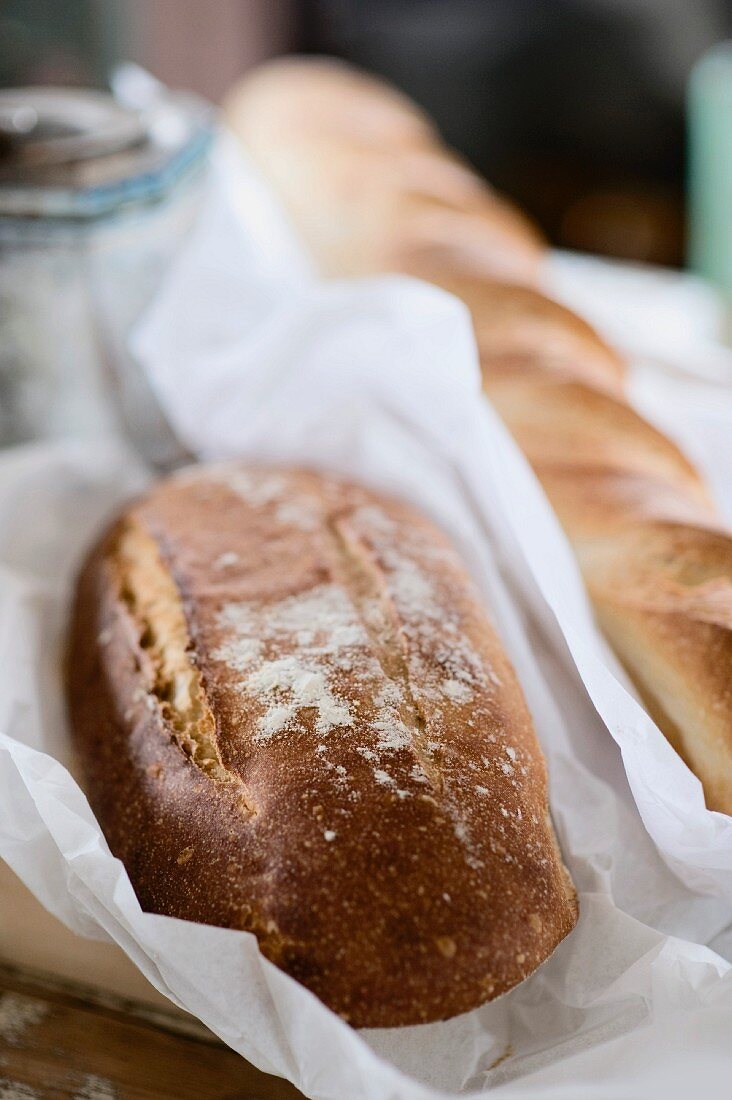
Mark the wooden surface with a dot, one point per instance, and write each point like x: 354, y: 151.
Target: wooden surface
x: 31, y: 938
x: 77, y: 1019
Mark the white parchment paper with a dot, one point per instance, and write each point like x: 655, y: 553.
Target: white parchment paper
x: 252, y: 356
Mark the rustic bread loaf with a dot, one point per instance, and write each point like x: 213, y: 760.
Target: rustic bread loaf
x: 294, y: 718
x: 656, y: 558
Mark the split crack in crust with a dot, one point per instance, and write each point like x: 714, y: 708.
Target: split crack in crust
x: 153, y: 601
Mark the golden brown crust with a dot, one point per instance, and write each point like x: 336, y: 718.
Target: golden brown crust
x: 610, y: 475
x: 364, y: 179
x: 295, y: 719
x: 662, y: 594
x: 562, y: 423
x: 520, y: 332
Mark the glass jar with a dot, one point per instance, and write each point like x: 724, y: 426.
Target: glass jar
x: 95, y: 199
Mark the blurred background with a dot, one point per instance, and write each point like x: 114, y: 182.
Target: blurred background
x: 608, y: 121
x: 576, y: 108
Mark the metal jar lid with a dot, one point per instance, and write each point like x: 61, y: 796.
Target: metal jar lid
x: 68, y: 152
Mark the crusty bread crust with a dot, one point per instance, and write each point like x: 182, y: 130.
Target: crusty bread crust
x: 611, y: 476
x: 294, y: 718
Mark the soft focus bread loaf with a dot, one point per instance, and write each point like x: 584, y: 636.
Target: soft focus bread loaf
x: 634, y: 508
x: 294, y: 718
x: 361, y: 174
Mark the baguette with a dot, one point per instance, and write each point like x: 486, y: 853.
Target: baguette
x: 294, y: 718
x: 366, y: 183
x: 655, y: 557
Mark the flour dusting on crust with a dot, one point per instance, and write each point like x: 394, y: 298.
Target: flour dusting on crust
x: 376, y: 654
x: 287, y: 653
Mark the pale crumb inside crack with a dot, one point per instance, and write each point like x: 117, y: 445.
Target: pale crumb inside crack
x: 151, y: 597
